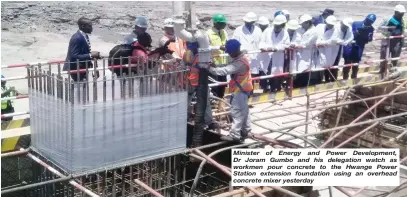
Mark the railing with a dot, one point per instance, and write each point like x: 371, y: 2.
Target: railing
x: 132, y: 66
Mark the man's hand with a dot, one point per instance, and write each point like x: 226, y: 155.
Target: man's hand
x: 340, y: 42
x: 95, y: 54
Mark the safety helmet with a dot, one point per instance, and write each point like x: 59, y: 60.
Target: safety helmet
x: 219, y: 18
x: 347, y: 22
x: 279, y: 19
x: 250, y: 17
x: 168, y: 22
x: 400, y: 8
x: 232, y: 46
x: 278, y: 13
x: 285, y: 12
x: 293, y: 25
x: 371, y: 18
x: 141, y: 21
x: 263, y: 20
x: 331, y: 20
x: 305, y: 18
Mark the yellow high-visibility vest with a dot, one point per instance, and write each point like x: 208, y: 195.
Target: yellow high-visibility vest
x: 217, y: 40
x: 5, y: 103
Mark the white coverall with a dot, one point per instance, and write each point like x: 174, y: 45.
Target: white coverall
x: 342, y: 37
x: 306, y: 56
x: 327, y: 54
x: 249, y: 41
x: 239, y: 101
x: 278, y: 41
x: 295, y: 41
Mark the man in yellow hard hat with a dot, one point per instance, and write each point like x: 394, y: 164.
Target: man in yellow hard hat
x: 217, y: 38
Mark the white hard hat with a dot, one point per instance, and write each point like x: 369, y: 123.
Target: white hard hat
x: 263, y: 20
x: 250, y: 17
x: 279, y: 19
x: 293, y: 24
x: 331, y: 20
x: 400, y: 8
x: 168, y: 22
x: 141, y: 21
x: 285, y: 12
x: 304, y: 18
x: 348, y: 22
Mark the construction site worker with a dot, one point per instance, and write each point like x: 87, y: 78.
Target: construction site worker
x: 139, y: 28
x: 286, y: 14
x: 276, y: 39
x: 79, y: 49
x: 363, y: 34
x: 190, y: 60
x: 306, y: 56
x: 249, y: 36
x: 291, y: 54
x: 395, y: 26
x: 7, y: 105
x: 177, y: 46
x: 327, y: 48
x: 321, y: 18
x: 217, y: 38
x: 240, y: 86
x: 264, y: 57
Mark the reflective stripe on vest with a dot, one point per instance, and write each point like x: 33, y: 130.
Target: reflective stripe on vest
x: 245, y: 80
x: 217, y: 40
x: 191, y: 61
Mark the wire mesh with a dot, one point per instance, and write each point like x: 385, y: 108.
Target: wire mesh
x: 82, y: 123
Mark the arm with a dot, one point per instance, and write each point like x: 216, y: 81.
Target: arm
x: 285, y: 42
x: 310, y: 40
x: 263, y: 40
x: 138, y: 57
x: 227, y: 70
x: 370, y: 36
x: 75, y: 50
x: 349, y: 37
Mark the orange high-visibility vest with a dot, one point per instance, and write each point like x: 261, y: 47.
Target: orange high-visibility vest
x: 244, y: 80
x: 178, y: 47
x: 191, y: 61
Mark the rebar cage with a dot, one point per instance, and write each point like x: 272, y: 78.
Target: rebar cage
x: 82, y: 123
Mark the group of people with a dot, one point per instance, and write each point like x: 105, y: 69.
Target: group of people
x: 287, y: 45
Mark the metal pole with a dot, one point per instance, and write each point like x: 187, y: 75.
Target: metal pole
x: 14, y: 153
x: 146, y: 187
x: 363, y: 114
x: 35, y: 185
x: 358, y: 134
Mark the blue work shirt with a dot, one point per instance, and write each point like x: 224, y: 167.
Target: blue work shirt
x: 362, y: 35
x: 318, y: 20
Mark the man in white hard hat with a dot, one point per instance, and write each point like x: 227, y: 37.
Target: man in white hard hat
x: 139, y: 28
x: 327, y: 48
x: 290, y: 62
x: 394, y: 26
x: 306, y: 57
x: 264, y: 58
x: 177, y: 46
x: 276, y: 39
x: 249, y: 36
x: 263, y: 23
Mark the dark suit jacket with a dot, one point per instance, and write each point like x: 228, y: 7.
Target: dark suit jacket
x: 78, y: 50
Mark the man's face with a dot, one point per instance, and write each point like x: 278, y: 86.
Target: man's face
x: 398, y: 14
x: 305, y: 25
x: 219, y: 26
x: 249, y: 24
x: 344, y: 27
x: 87, y: 27
x: 234, y: 54
x: 329, y: 26
x: 368, y: 23
x: 291, y: 31
x: 278, y: 28
x: 263, y: 27
x: 169, y: 30
x: 139, y: 30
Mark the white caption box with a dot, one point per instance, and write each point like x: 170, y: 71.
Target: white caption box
x: 315, y: 167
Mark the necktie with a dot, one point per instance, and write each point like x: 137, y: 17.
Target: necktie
x: 87, y: 40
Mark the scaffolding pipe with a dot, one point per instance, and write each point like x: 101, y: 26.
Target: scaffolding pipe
x: 329, y: 106
x: 358, y: 134
x: 15, y: 153
x: 363, y: 114
x: 53, y: 170
x: 149, y: 189
x: 25, y: 187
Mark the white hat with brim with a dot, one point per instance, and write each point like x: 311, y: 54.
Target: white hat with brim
x: 263, y: 20
x: 400, y: 8
x: 331, y: 20
x: 304, y: 18
x: 347, y: 22
x: 250, y: 17
x: 279, y: 19
x: 168, y: 22
x: 293, y: 25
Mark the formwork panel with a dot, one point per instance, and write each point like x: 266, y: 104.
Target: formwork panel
x: 90, y: 125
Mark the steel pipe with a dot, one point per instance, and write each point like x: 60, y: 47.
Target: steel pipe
x: 358, y: 134
x: 14, y: 114
x: 363, y: 114
x: 34, y: 185
x: 14, y: 97
x: 148, y: 188
x: 15, y: 153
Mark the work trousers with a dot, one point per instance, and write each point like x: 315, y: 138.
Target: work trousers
x: 395, y: 50
x: 354, y: 57
x: 208, y: 111
x: 240, y: 115
x: 219, y: 91
x: 8, y: 110
x: 331, y: 75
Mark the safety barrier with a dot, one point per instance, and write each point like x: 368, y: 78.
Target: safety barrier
x: 363, y: 68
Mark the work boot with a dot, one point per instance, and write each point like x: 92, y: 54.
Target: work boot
x: 230, y: 138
